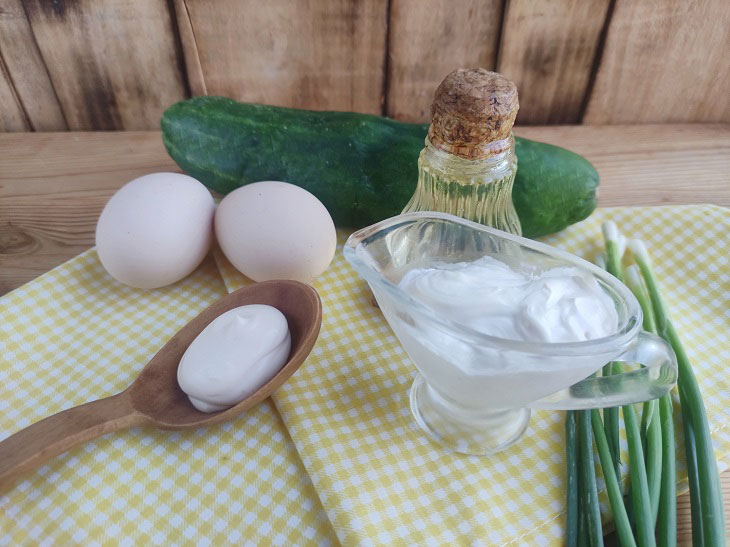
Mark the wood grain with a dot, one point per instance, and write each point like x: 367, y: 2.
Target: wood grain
x: 316, y: 54
x: 54, y: 185
x: 650, y: 164
x: 12, y: 117
x: 548, y: 50
x: 429, y: 40
x: 114, y: 63
x: 27, y: 69
x: 664, y: 62
x: 189, y: 45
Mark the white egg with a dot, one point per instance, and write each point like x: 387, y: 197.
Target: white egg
x: 155, y: 230
x: 275, y: 230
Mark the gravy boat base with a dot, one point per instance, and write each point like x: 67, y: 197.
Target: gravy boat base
x: 474, y: 433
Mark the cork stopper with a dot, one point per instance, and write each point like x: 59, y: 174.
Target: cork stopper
x: 472, y: 113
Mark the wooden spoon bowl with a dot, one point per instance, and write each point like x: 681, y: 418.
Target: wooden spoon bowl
x: 155, y: 398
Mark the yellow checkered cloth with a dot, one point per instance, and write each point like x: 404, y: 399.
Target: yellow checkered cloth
x: 337, y: 457
x: 74, y: 335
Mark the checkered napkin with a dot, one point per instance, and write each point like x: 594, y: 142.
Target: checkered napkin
x: 382, y: 481
x: 74, y: 335
x: 336, y: 457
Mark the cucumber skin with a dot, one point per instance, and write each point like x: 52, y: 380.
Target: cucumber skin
x: 362, y: 167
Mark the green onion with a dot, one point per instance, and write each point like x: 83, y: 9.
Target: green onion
x: 707, y: 495
x: 652, y: 497
x: 653, y: 454
x: 587, y: 468
x: 651, y: 428
x: 610, y: 415
x: 666, y: 528
x: 634, y: 282
x: 571, y: 518
x: 615, y: 246
x: 582, y: 525
x: 640, y: 500
x: 616, y: 500
x: 648, y: 409
x: 698, y: 535
x: 639, y: 486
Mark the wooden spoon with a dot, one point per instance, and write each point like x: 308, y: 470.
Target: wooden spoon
x: 154, y: 398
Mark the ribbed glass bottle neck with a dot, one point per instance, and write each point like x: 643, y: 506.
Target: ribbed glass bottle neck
x: 495, y: 166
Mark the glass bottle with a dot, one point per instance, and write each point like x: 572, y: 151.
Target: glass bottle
x: 468, y: 165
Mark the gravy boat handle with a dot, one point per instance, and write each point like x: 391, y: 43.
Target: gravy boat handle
x: 656, y: 376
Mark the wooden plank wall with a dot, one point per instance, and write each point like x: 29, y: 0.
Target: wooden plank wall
x: 116, y: 64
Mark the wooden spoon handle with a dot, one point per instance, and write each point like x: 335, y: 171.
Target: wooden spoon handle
x: 38, y: 443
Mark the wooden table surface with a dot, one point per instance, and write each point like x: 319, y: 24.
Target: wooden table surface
x: 54, y: 185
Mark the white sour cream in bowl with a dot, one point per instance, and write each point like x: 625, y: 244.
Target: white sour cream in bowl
x: 560, y: 304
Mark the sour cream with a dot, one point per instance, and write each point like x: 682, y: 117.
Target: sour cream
x: 233, y: 356
x: 560, y: 304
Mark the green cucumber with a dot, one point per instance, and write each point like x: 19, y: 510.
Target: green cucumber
x: 362, y: 167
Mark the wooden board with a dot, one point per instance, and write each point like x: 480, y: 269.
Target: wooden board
x: 664, y: 62
x: 650, y: 164
x: 12, y: 117
x: 189, y: 45
x: 548, y: 49
x: 114, y: 63
x: 318, y: 54
x: 53, y: 187
x: 429, y: 40
x: 26, y: 68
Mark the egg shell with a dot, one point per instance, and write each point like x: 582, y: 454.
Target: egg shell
x: 275, y: 230
x: 155, y: 230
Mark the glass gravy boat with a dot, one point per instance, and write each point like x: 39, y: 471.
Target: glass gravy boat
x: 475, y: 391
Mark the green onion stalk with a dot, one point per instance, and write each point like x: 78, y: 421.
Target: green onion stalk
x: 571, y: 519
x: 639, y: 484
x: 651, y: 427
x: 666, y: 526
x: 613, y: 488
x: 690, y: 455
x: 704, y: 478
x: 587, y: 470
x: 640, y: 497
x: 615, y: 247
x: 652, y: 447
